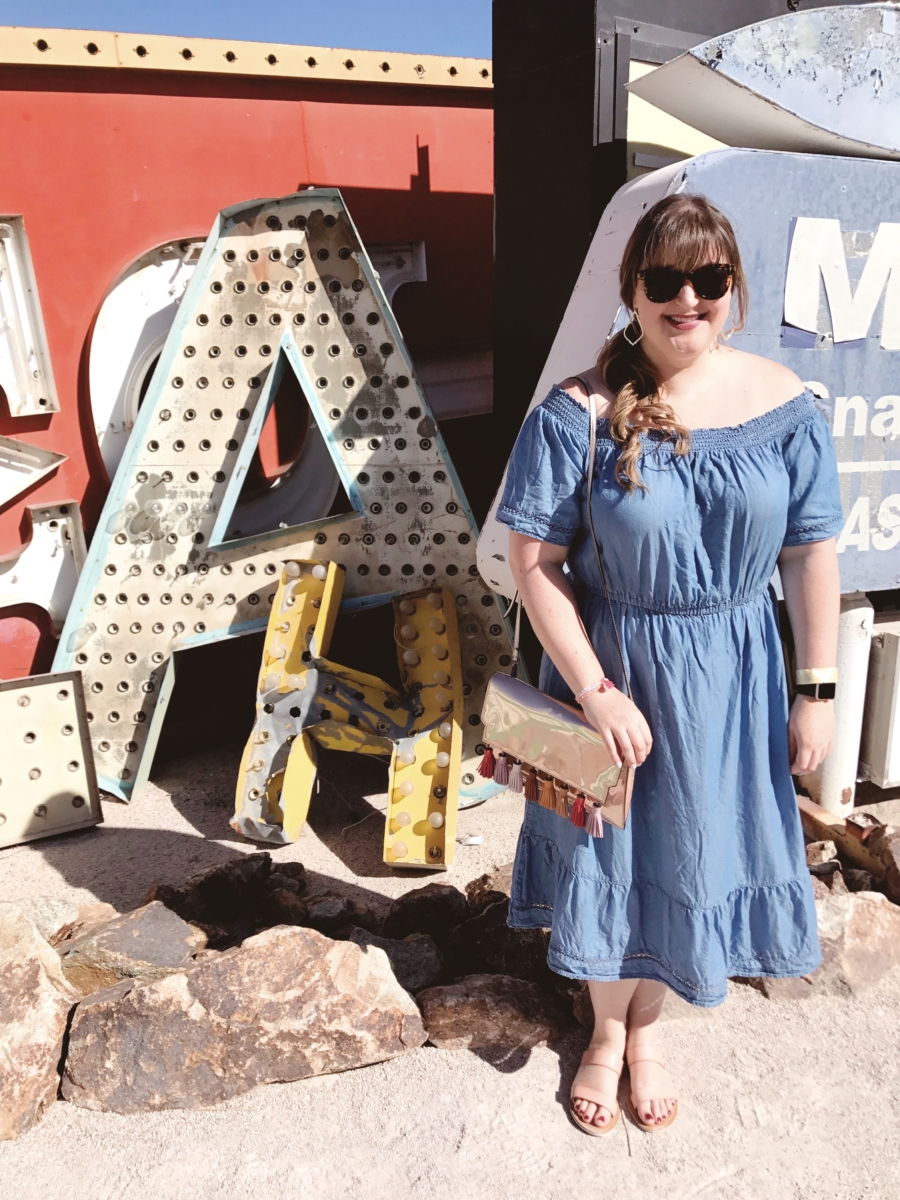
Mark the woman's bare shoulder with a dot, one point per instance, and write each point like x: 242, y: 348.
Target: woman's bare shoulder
x: 764, y: 376
x: 575, y: 388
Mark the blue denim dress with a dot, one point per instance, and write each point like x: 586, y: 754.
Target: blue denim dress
x: 709, y: 879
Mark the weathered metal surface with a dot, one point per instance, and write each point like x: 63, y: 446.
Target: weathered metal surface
x: 304, y: 701
x: 45, y: 571
x: 778, y: 204
x: 25, y: 373
x: 825, y: 81
x: 47, y: 780
x: 274, y: 60
x: 22, y: 466
x: 128, y: 336
x: 282, y: 285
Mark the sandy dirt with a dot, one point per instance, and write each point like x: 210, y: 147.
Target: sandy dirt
x: 779, y: 1100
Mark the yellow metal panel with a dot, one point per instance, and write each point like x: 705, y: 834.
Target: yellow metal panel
x: 328, y: 611
x: 338, y: 735
x: 298, y: 784
x: 423, y: 792
x: 151, y: 52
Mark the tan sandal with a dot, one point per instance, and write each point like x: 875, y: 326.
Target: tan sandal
x: 636, y: 1099
x: 605, y: 1099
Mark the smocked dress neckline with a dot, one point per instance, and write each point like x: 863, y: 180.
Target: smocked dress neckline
x: 776, y: 422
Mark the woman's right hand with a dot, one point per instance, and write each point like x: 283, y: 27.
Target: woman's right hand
x: 621, y: 724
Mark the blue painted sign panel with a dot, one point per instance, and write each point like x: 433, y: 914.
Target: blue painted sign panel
x: 820, y: 241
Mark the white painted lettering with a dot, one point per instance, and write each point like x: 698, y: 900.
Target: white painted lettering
x: 888, y: 535
x: 817, y: 250
x: 887, y: 424
x: 856, y: 527
x: 860, y: 408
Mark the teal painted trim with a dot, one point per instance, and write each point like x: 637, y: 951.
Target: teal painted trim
x: 166, y: 689
x: 221, y: 635
x: 285, y: 537
x: 358, y: 603
x: 115, y: 787
x: 477, y: 794
x: 288, y: 347
x: 245, y: 455
x: 90, y: 574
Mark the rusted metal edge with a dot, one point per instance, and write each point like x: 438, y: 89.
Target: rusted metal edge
x: 154, y: 52
x: 850, y: 835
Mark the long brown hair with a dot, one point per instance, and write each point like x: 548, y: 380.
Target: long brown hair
x: 678, y: 231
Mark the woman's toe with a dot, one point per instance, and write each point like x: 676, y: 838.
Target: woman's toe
x: 601, y: 1117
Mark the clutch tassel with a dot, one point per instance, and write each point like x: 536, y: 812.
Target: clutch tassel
x: 515, y: 783
x: 531, y: 785
x: 593, y: 822
x: 487, y: 764
x: 562, y: 800
x: 501, y: 771
x: 576, y: 815
x: 547, y: 797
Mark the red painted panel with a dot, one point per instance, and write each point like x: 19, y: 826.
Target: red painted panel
x: 103, y: 167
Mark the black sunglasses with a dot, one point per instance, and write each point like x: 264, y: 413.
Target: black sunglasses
x: 710, y: 282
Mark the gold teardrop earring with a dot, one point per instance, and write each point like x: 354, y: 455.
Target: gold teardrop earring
x: 634, y: 323
x: 727, y: 335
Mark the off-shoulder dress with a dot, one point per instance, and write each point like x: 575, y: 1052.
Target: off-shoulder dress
x: 709, y: 878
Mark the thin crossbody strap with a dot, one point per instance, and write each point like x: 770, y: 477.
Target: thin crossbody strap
x: 592, y: 457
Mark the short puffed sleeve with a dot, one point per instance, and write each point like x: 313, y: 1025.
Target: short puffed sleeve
x: 814, y: 505
x: 546, y: 476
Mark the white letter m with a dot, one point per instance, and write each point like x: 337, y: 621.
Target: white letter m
x: 817, y: 248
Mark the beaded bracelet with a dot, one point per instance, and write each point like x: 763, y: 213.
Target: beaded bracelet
x: 601, y: 685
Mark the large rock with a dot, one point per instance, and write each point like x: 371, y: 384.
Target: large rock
x: 486, y: 945
x: 435, y: 909
x: 336, y: 915
x: 58, y: 920
x: 489, y: 889
x: 145, y: 944
x: 35, y: 1002
x: 885, y: 842
x: 220, y: 894
x: 859, y: 933
x: 416, y: 960
x: 287, y: 1004
x: 494, y: 1013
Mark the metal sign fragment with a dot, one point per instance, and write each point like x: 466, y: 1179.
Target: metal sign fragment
x: 47, y: 780
x: 825, y: 81
x: 25, y: 372
x: 45, y: 571
x: 283, y: 282
x: 304, y: 700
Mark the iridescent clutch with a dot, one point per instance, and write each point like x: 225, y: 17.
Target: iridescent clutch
x: 555, y: 741
x: 558, y: 759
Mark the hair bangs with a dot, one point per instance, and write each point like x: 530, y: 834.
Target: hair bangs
x: 686, y: 241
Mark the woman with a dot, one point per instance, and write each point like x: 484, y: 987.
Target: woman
x: 712, y: 466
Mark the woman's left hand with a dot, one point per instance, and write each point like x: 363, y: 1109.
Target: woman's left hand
x: 810, y: 733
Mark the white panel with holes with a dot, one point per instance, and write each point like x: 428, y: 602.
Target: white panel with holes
x: 282, y: 287
x: 45, y: 571
x: 47, y: 780
x: 25, y: 373
x: 128, y: 336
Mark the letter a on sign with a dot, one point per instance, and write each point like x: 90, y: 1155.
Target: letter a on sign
x: 283, y: 285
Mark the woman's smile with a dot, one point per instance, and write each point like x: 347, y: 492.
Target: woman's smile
x: 685, y: 321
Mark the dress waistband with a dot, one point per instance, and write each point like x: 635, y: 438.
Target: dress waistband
x: 674, y: 610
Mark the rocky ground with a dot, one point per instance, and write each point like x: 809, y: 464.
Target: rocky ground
x: 780, y: 1098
